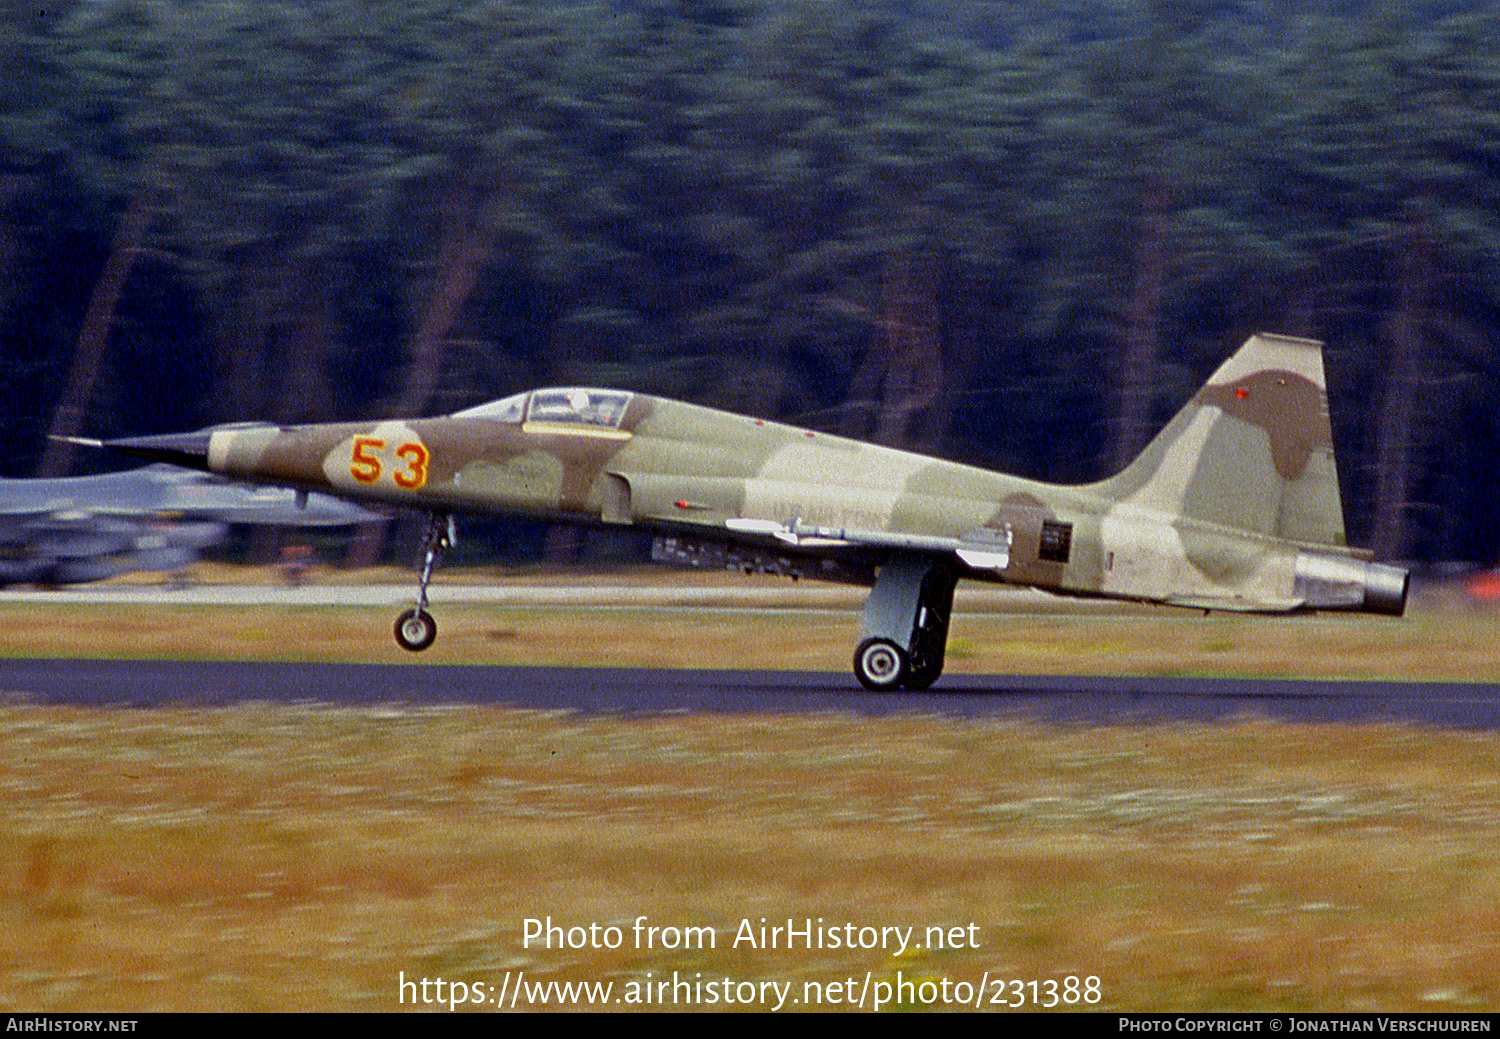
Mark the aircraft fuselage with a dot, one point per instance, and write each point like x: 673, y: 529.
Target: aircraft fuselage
x: 1234, y: 506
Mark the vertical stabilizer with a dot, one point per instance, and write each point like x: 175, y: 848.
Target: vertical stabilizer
x: 1252, y: 450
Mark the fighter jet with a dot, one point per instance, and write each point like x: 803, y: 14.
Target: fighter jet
x: 1233, y: 506
x: 86, y: 528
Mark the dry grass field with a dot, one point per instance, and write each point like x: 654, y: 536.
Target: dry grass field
x: 1454, y: 645
x: 290, y: 858
x: 300, y: 858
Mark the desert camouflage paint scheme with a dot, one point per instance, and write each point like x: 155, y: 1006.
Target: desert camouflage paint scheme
x: 1234, y: 506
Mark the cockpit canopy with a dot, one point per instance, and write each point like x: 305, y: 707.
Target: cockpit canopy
x: 506, y: 409
x: 574, y: 405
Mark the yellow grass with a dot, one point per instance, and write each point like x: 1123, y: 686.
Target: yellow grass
x: 1454, y: 644
x: 300, y: 858
x: 278, y: 858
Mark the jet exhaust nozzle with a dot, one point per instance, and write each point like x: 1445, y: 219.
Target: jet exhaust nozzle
x: 1386, y: 588
x: 185, y: 449
x: 1340, y: 583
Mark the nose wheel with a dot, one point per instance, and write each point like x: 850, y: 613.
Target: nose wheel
x: 415, y: 629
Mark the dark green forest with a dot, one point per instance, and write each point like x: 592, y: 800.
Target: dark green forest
x: 1017, y: 233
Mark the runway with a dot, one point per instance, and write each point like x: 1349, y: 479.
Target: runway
x: 643, y: 692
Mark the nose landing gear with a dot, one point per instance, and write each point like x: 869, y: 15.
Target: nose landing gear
x: 415, y: 628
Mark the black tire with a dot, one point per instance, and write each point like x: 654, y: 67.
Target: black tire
x: 415, y: 630
x: 880, y: 665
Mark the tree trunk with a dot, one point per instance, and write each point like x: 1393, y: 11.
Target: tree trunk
x: 914, y: 358
x: 467, y: 242
x: 1138, y: 377
x: 304, y: 383
x: 93, y: 336
x: 11, y: 186
x: 863, y: 387
x: 958, y: 374
x: 243, y: 315
x: 1301, y: 310
x: 1394, y: 453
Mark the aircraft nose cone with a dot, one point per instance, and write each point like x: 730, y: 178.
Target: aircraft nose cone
x: 186, y: 449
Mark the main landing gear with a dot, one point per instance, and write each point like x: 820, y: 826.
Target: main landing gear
x: 906, y: 624
x: 415, y: 629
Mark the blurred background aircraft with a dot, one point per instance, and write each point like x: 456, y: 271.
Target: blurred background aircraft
x: 160, y: 517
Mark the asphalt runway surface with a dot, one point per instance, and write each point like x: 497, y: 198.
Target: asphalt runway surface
x: 644, y: 692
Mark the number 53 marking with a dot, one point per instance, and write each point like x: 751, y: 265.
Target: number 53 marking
x: 365, y: 463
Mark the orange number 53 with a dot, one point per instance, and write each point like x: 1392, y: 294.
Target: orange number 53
x: 364, y: 463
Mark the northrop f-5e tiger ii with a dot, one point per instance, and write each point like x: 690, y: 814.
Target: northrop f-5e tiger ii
x: 1233, y: 506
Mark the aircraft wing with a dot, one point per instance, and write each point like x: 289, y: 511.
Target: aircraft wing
x: 159, y: 517
x: 78, y: 546
x: 169, y: 492
x: 272, y: 506
x: 73, y: 536
x: 137, y: 492
x: 982, y: 549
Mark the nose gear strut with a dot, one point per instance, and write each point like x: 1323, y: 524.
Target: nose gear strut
x: 415, y: 628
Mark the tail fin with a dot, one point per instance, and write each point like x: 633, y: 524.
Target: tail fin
x: 1252, y: 450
